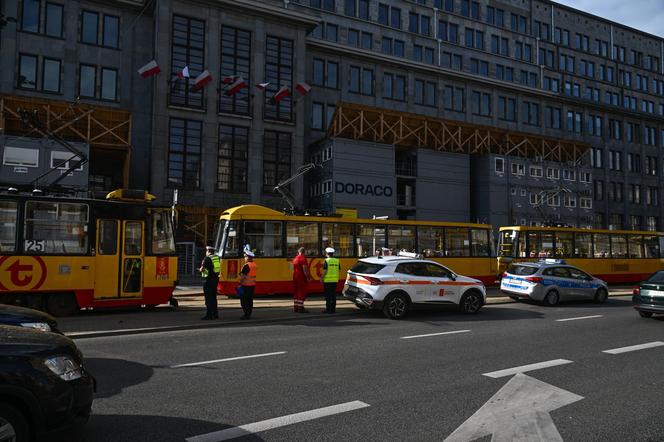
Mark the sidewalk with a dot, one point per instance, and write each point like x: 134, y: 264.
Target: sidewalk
x: 192, y: 307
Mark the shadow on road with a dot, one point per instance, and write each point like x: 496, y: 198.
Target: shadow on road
x: 138, y: 428
x: 114, y: 375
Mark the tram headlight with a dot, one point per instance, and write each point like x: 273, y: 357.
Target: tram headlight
x: 43, y: 326
x: 64, y: 367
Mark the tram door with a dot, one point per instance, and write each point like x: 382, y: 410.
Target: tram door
x: 132, y: 259
x: 107, y: 259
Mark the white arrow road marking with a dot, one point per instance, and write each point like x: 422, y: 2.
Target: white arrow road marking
x: 435, y: 334
x: 257, y: 427
x: 518, y: 412
x: 524, y: 368
x: 579, y: 317
x: 616, y: 351
x: 237, y: 358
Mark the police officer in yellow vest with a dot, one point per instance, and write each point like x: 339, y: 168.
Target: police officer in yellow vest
x: 210, y: 268
x: 330, y: 280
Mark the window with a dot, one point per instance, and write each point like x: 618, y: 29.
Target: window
x: 109, y: 79
x: 361, y: 80
x: 553, y: 117
x: 184, y: 153
x: 507, y: 108
x: 530, y: 113
x: 235, y: 62
x: 302, y: 234
x: 56, y: 228
x: 51, y: 75
x: 389, y: 16
x: 27, y: 74
x: 368, y: 237
x: 499, y: 165
x: 187, y: 49
x: 367, y: 40
x: 552, y: 173
x: 479, y: 242
x: 401, y: 238
x: 53, y: 26
x: 61, y: 160
x: 454, y: 98
x: 20, y: 156
x: 338, y: 236
x: 457, y: 241
x: 87, y: 81
x: 89, y: 27
x: 111, y: 31
x: 394, y: 86
x: 425, y: 93
x: 536, y: 171
x: 276, y: 158
x: 598, y: 190
x: 30, y: 16
x: 279, y: 72
x: 8, y: 221
x: 233, y: 153
x: 518, y: 169
x: 481, y: 103
x: 264, y: 238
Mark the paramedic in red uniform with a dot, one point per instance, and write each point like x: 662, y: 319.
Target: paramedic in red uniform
x: 301, y: 279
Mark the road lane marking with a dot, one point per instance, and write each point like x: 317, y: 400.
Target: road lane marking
x: 524, y: 368
x: 518, y: 412
x: 237, y: 358
x: 269, y: 424
x: 435, y: 334
x: 616, y: 351
x: 579, y: 317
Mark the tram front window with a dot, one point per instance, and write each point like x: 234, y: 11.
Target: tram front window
x: 163, y: 242
x: 229, y: 242
x: 507, y: 242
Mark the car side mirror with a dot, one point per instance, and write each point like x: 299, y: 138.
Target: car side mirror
x: 453, y: 277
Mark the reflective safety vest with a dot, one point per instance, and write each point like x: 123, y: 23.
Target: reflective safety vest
x: 216, y: 263
x: 250, y: 279
x: 332, y: 274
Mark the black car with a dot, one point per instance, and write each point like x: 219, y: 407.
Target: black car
x: 27, y: 317
x: 44, y: 388
x: 648, y: 296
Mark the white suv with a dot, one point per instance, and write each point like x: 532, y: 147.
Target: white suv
x: 394, y: 283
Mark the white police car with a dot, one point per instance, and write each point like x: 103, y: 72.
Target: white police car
x: 550, y: 281
x: 394, y: 283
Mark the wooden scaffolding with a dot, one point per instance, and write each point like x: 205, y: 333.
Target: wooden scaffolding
x: 402, y: 129
x: 103, y: 128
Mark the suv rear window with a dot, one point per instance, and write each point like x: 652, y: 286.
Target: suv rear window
x: 522, y: 270
x: 367, y: 268
x: 656, y: 278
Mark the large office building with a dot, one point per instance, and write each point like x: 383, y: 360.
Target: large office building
x: 500, y: 111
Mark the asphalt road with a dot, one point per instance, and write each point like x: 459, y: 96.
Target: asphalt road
x: 364, y: 377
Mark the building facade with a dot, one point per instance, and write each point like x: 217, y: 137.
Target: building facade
x: 504, y: 112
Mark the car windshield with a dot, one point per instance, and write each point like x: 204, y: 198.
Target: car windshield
x: 521, y: 270
x: 657, y: 278
x: 366, y: 268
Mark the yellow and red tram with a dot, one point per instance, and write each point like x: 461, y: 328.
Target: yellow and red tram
x: 62, y: 254
x: 275, y: 237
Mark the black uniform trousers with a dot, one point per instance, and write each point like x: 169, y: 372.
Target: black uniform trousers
x: 247, y: 299
x: 330, y: 296
x: 210, y: 291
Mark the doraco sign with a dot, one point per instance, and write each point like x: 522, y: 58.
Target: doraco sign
x: 363, y: 189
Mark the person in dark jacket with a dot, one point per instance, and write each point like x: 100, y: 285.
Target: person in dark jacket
x: 210, y: 268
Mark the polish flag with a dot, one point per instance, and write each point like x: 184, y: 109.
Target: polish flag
x: 282, y: 93
x: 202, y: 80
x: 149, y: 69
x: 302, y: 88
x: 184, y: 73
x: 236, y: 87
x: 228, y: 79
x: 262, y: 86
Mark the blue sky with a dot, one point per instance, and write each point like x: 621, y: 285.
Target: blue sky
x: 645, y: 15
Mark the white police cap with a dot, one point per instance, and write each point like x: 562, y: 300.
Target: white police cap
x: 329, y: 250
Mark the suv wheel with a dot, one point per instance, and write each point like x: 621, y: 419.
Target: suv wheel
x: 471, y: 302
x: 601, y: 296
x: 645, y: 314
x: 13, y: 425
x: 551, y: 298
x: 396, y: 305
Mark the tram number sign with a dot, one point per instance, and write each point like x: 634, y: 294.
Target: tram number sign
x: 35, y: 245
